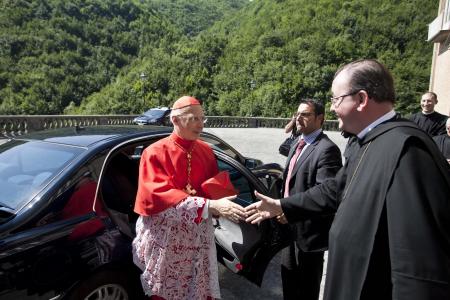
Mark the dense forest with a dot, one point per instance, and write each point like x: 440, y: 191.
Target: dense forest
x: 55, y: 53
x: 240, y: 57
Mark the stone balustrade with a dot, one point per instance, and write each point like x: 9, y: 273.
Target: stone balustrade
x: 254, y: 122
x: 18, y: 125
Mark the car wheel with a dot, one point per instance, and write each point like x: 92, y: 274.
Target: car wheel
x: 106, y: 285
x: 108, y: 291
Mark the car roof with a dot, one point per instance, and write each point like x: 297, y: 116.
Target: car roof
x: 159, y: 108
x: 87, y: 136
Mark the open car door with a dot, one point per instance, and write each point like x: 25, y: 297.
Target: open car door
x: 244, y: 248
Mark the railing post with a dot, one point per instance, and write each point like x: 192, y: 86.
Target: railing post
x: 34, y: 124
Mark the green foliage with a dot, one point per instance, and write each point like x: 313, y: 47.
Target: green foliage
x: 194, y: 16
x: 292, y: 48
x: 60, y: 52
x: 55, y: 53
x: 259, y: 59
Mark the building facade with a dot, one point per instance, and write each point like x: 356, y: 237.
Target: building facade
x: 439, y: 34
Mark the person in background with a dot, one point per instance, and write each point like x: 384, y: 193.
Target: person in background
x: 429, y: 120
x: 174, y: 244
x: 291, y: 126
x: 443, y: 141
x: 390, y: 238
x: 313, y: 159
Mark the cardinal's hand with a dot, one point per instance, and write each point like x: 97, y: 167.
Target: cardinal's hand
x: 224, y: 207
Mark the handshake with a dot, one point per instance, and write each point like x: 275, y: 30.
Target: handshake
x: 255, y: 213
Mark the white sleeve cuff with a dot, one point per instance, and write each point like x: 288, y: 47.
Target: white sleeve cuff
x: 205, y: 212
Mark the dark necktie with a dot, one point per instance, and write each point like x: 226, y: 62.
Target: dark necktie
x: 294, y: 158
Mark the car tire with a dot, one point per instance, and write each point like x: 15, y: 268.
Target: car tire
x: 107, y: 284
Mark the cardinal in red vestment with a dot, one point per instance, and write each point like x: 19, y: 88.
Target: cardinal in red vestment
x: 178, y: 178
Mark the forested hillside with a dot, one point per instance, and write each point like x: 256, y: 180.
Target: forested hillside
x: 285, y: 50
x: 86, y: 56
x: 55, y: 53
x: 271, y: 53
x: 194, y: 16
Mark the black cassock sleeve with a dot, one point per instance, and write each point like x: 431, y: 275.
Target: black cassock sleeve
x: 322, y: 199
x: 317, y: 201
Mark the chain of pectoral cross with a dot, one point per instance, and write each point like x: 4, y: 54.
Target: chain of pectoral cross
x: 189, y: 189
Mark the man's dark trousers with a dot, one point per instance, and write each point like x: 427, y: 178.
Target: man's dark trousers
x: 301, y: 273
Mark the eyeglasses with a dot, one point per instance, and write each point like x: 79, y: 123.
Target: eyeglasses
x: 303, y: 115
x: 191, y: 118
x: 336, y: 101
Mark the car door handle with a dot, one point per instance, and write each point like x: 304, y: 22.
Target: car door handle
x: 233, y: 265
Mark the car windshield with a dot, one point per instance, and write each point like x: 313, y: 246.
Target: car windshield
x: 26, y: 167
x: 155, y: 112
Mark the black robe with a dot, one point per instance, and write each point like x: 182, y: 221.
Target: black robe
x: 443, y: 143
x: 433, y: 124
x: 390, y: 238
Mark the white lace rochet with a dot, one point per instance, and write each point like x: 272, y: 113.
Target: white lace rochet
x: 177, y: 256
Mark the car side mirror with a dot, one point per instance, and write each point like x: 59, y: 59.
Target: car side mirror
x: 252, y: 163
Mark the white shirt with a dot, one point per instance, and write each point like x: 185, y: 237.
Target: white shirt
x: 377, y: 122
x: 309, y: 139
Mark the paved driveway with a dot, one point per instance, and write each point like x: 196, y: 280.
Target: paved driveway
x: 261, y: 143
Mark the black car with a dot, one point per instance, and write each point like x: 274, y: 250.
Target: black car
x: 154, y: 116
x: 67, y: 220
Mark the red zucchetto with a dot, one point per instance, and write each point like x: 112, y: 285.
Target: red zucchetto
x: 185, y: 101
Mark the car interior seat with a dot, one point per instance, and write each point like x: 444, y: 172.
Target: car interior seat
x: 119, y: 185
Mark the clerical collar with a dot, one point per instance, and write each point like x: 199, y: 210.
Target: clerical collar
x: 183, y: 143
x: 377, y: 122
x: 427, y: 113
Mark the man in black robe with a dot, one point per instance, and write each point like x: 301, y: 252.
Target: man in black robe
x: 390, y: 238
x: 443, y: 141
x: 429, y: 120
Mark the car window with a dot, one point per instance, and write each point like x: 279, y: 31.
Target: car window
x: 155, y: 112
x: 25, y: 167
x: 222, y: 147
x: 240, y: 182
x: 76, y: 198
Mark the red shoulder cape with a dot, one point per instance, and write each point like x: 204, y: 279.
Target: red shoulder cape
x: 163, y: 173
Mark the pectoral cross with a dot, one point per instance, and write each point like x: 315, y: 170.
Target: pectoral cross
x: 190, y: 190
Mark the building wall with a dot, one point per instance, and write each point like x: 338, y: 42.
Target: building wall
x: 440, y: 70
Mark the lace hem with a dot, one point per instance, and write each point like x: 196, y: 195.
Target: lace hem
x: 177, y: 256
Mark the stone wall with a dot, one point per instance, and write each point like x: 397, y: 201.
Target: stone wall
x: 254, y: 122
x: 440, y: 67
x: 18, y: 125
